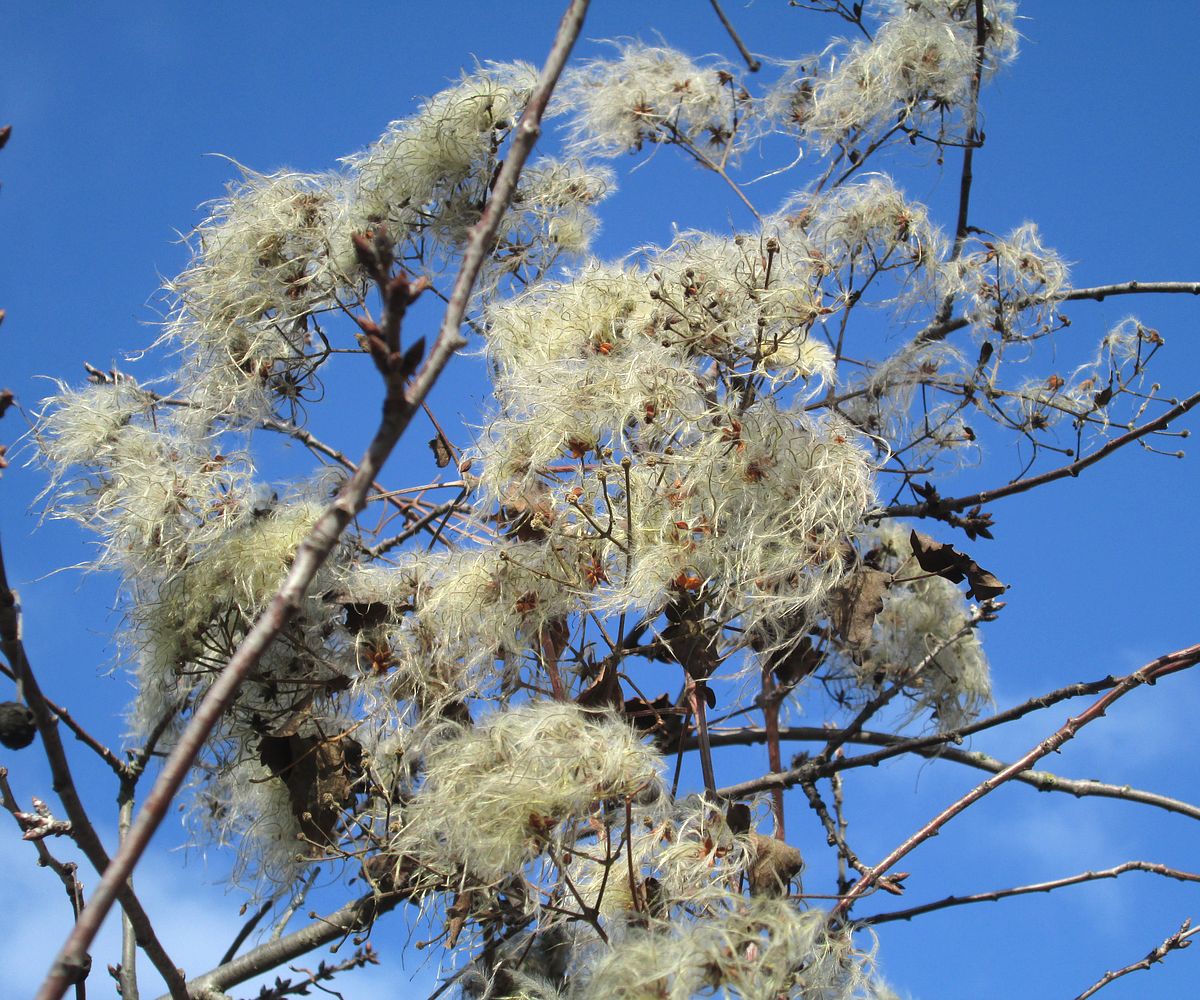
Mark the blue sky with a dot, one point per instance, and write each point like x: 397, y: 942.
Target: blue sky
x: 1092, y: 134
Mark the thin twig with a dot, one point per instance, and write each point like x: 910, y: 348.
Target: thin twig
x: 354, y: 916
x: 927, y: 747
x: 1100, y: 292
x: 1164, y: 665
x: 127, y: 979
x: 245, y: 931
x: 1176, y: 942
x: 65, y: 870
x: 752, y: 64
x: 1022, y: 890
x: 940, y: 329
x: 82, y: 831
x: 114, y: 762
x: 415, y: 528
x: 972, y: 141
x: 1062, y: 472
x: 833, y: 836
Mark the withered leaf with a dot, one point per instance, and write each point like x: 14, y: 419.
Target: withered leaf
x: 659, y: 718
x: 738, y: 817
x: 775, y: 865
x: 605, y: 691
x: 947, y: 562
x: 441, y: 453
x: 320, y: 774
x: 363, y: 615
x: 690, y: 637
x: 856, y: 603
x: 796, y: 662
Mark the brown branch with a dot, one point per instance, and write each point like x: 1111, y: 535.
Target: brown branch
x: 400, y: 404
x: 65, y: 870
x: 770, y: 699
x: 969, y: 146
x: 1176, y: 942
x: 927, y: 747
x: 1022, y: 890
x: 894, y: 744
x: 82, y: 831
x: 1099, y: 293
x: 1161, y: 667
x: 1072, y: 470
x: 127, y: 975
x: 356, y: 915
x: 317, y: 446
x: 833, y: 836
x: 117, y: 765
x: 415, y: 528
x: 940, y: 329
x: 752, y: 64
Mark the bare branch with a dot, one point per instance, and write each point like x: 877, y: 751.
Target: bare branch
x: 354, y: 916
x: 82, y: 831
x: 752, y: 64
x: 1043, y: 781
x: 1164, y: 665
x: 63, y: 869
x: 973, y: 139
x: 1100, y: 292
x: 1022, y: 890
x: 1062, y: 472
x: 940, y: 329
x: 1176, y: 942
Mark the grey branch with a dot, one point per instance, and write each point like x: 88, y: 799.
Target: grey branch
x: 1176, y: 942
x: 1022, y: 890
x: 930, y: 748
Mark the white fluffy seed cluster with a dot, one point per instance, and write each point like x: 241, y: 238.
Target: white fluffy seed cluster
x: 1013, y: 285
x: 646, y: 473
x: 497, y: 794
x: 759, y: 950
x: 921, y: 617
x: 201, y: 545
x: 186, y: 624
x: 649, y: 94
x: 917, y: 69
x: 652, y: 451
x: 154, y: 494
x: 277, y: 252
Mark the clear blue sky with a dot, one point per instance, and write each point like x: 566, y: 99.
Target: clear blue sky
x: 1093, y: 134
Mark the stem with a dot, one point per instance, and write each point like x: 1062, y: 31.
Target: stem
x: 354, y: 916
x: 1182, y: 938
x: 972, y: 141
x: 752, y: 64
x: 128, y: 977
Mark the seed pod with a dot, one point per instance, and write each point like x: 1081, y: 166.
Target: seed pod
x: 16, y: 725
